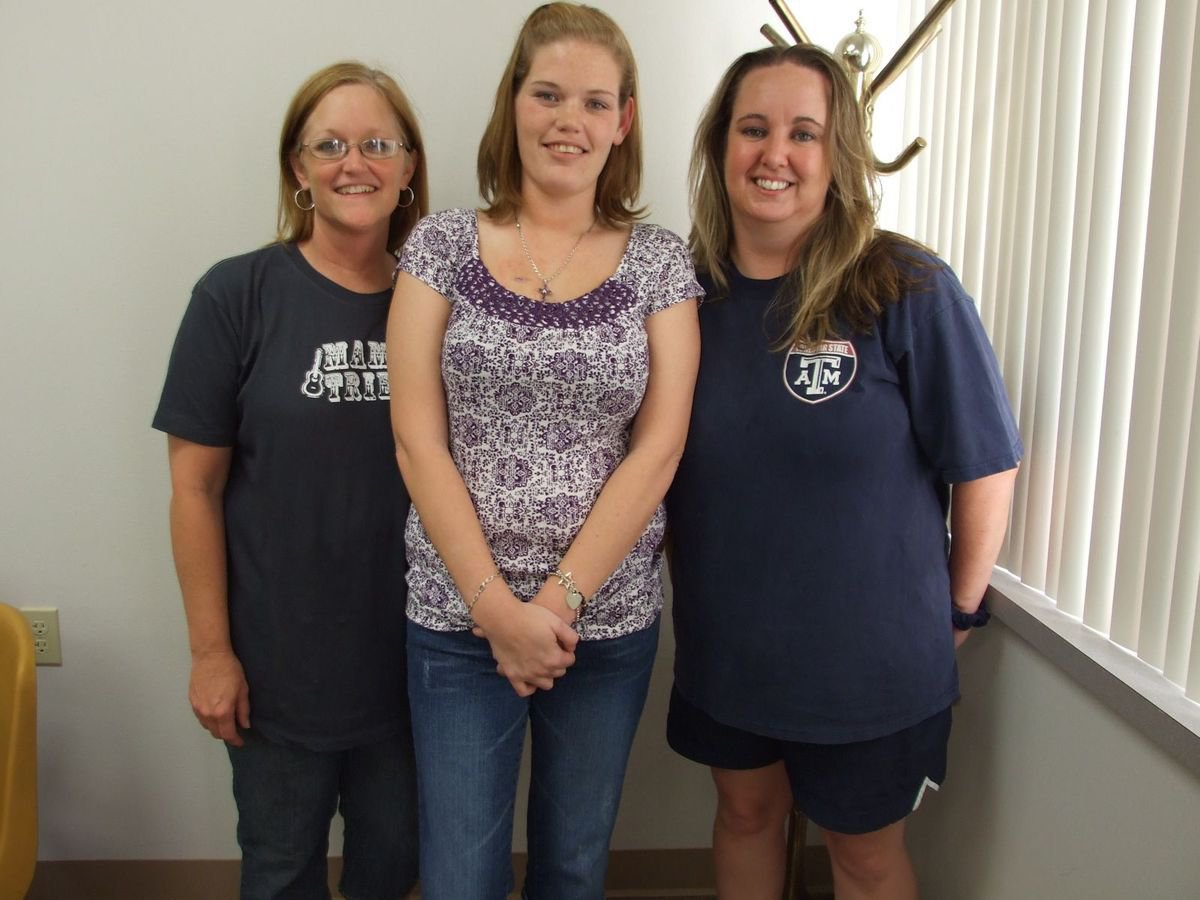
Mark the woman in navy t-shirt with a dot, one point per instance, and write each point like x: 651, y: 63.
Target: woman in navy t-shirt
x: 848, y: 399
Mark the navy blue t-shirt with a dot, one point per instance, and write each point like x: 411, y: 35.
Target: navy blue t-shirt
x: 808, y: 515
x: 289, y: 369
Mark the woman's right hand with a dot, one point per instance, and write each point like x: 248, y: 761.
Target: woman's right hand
x: 219, y: 695
x: 531, y: 645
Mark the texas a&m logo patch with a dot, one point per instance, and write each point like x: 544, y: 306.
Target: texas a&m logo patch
x: 815, y: 373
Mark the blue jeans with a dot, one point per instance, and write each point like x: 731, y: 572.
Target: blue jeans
x: 286, y: 797
x: 469, y: 729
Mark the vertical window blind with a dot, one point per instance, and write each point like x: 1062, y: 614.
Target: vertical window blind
x: 1062, y: 183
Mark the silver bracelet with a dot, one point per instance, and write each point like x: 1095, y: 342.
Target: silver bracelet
x: 479, y: 590
x: 574, y: 597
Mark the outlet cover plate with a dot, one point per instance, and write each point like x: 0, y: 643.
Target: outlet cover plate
x: 47, y: 643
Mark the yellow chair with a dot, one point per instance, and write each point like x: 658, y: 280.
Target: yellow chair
x: 18, y: 756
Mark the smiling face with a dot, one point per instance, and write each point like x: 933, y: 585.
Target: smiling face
x: 568, y: 117
x: 776, y: 167
x: 353, y: 193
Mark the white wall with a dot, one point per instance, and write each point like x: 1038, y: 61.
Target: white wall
x: 138, y: 149
x: 1050, y: 794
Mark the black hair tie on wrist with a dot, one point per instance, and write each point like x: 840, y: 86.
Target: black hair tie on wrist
x: 965, y: 621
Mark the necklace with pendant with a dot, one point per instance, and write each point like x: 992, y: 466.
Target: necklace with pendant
x: 544, y: 291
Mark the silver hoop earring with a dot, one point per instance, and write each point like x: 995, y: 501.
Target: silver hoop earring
x: 312, y: 204
x: 411, y: 197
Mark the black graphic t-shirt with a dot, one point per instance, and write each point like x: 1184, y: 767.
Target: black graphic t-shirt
x: 289, y: 369
x: 808, y: 515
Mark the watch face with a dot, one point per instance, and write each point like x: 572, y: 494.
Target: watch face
x: 574, y: 599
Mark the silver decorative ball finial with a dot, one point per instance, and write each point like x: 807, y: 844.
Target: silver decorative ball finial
x: 860, y: 53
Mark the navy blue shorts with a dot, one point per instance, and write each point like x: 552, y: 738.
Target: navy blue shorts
x: 847, y: 788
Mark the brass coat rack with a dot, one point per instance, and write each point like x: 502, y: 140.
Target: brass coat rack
x: 860, y: 53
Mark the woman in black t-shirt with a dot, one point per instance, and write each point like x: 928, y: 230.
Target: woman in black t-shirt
x: 287, y: 511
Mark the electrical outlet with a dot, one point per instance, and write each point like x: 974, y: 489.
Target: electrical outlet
x: 47, y: 644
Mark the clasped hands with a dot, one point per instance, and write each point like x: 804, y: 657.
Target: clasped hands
x: 533, y: 643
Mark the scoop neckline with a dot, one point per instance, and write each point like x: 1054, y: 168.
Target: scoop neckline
x: 545, y: 303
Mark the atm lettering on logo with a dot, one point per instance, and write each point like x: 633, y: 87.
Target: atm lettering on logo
x: 816, y: 373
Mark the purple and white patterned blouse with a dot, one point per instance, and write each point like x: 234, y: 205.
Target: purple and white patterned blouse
x: 540, y: 398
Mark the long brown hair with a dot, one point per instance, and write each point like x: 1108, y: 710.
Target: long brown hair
x: 843, y: 270
x: 499, y: 165
x: 296, y: 224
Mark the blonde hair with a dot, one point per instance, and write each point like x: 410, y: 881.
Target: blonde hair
x: 499, y: 165
x: 296, y: 224
x: 842, y: 269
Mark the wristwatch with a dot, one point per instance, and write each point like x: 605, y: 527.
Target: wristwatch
x: 965, y: 621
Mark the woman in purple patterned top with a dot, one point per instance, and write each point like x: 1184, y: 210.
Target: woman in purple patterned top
x: 543, y: 354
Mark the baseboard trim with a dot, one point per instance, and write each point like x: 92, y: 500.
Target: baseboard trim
x: 136, y: 879
x: 631, y: 873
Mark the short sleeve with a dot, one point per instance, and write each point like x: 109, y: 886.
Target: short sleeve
x: 434, y: 251
x: 662, y: 268
x: 957, y: 401
x: 199, y: 396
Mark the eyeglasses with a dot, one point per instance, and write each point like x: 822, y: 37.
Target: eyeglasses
x: 371, y: 148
